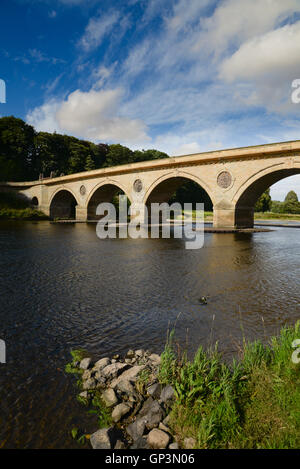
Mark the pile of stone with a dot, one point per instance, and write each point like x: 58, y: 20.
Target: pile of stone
x: 139, y: 403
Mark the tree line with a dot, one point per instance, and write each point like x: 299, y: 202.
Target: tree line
x: 290, y: 204
x: 25, y: 154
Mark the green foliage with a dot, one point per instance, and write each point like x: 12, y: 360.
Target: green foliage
x: 77, y: 355
x: 251, y: 404
x: 168, y: 366
x: 17, y: 151
x: 103, y: 413
x: 21, y: 214
x: 290, y: 205
x: 263, y: 204
x: 25, y: 153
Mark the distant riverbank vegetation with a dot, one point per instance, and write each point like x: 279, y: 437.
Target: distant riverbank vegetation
x: 13, y: 207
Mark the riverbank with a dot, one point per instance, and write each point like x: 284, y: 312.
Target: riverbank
x: 22, y: 214
x: 149, y: 401
x: 260, y: 216
x: 13, y: 207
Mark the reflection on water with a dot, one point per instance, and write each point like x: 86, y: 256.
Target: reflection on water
x: 61, y: 287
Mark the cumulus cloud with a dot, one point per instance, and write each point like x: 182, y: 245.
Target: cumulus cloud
x: 274, y: 54
x: 43, y: 118
x: 92, y: 115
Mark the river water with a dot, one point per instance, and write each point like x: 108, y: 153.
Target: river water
x: 61, y: 288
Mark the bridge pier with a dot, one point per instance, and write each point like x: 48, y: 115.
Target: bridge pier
x: 81, y: 213
x: 224, y: 218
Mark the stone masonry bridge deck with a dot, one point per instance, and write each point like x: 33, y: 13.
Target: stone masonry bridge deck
x: 233, y: 179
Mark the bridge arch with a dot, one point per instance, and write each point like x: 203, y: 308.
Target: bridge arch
x: 103, y: 192
x: 35, y: 201
x: 162, y: 189
x: 248, y: 193
x: 63, y: 204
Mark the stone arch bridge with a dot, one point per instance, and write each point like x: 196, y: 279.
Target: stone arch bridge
x: 233, y: 179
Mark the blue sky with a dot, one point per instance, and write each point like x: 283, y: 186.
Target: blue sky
x: 182, y: 76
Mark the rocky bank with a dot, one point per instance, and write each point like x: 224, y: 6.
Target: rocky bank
x: 139, y: 404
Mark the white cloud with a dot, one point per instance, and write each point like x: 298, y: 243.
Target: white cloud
x: 92, y: 115
x: 235, y: 21
x: 43, y: 117
x: 98, y: 27
x: 275, y: 53
x: 281, y: 188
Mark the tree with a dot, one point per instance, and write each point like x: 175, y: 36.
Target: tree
x: 291, y: 203
x: 89, y: 163
x: 146, y: 155
x: 263, y: 204
x: 291, y: 197
x: 118, y: 154
x: 17, y: 150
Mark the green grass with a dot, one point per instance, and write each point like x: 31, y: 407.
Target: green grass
x: 257, y: 215
x: 276, y: 216
x: 254, y: 403
x: 21, y: 214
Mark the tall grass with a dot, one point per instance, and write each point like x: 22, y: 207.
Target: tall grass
x: 253, y: 403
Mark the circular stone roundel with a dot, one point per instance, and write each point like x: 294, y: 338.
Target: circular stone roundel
x: 224, y: 179
x: 138, y: 185
x: 82, y: 190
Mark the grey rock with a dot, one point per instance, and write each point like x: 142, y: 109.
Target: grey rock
x: 166, y: 420
x: 130, y: 374
x: 136, y: 429
x: 158, y: 439
x: 126, y: 387
x: 164, y: 428
x: 120, y: 445
x: 155, y: 359
x: 101, y: 439
x: 100, y: 364
x: 109, y: 397
x: 140, y: 443
x: 113, y: 370
x: 130, y: 354
x: 99, y: 377
x: 167, y: 395
x: 152, y: 412
x: 89, y: 384
x: 84, y: 394
x: 85, y: 363
x: 119, y: 411
x: 116, y: 356
x: 189, y: 443
x: 154, y: 390
x: 139, y: 353
x: 87, y: 374
x: 173, y: 446
x: 114, y: 360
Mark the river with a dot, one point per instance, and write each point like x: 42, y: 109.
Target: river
x: 61, y: 288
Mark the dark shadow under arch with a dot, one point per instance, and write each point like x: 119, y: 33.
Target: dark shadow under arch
x: 63, y: 205
x: 105, y: 193
x: 34, y: 201
x: 179, y: 189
